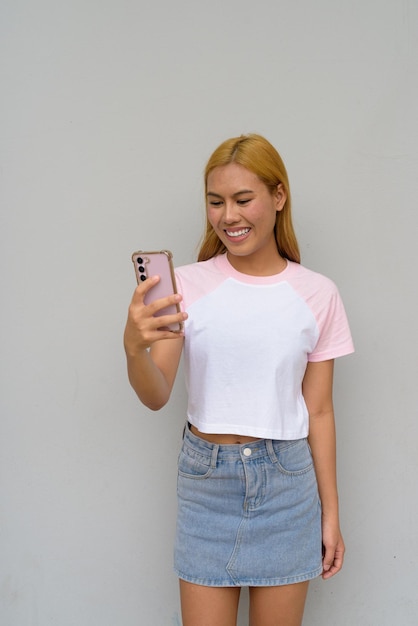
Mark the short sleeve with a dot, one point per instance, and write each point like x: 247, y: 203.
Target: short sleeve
x: 335, y: 338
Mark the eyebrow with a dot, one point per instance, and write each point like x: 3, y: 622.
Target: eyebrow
x: 234, y: 195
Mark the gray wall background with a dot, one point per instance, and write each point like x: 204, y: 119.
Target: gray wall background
x: 109, y: 111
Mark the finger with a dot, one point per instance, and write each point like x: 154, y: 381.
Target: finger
x: 144, y: 287
x: 328, y: 558
x: 165, y: 333
x: 138, y: 338
x: 163, y: 303
x: 334, y: 569
x: 332, y: 562
x: 167, y: 322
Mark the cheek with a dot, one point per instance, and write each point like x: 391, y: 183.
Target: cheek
x: 263, y: 214
x: 212, y: 216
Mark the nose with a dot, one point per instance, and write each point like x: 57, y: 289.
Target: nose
x: 231, y: 213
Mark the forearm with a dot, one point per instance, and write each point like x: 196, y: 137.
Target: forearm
x: 323, y: 446
x: 322, y: 442
x: 152, y: 353
x: 147, y: 380
x: 317, y: 389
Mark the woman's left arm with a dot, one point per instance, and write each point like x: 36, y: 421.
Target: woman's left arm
x: 317, y: 391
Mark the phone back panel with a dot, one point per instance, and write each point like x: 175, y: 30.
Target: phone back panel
x: 159, y: 263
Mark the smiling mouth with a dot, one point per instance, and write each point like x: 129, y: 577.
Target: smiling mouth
x: 238, y: 233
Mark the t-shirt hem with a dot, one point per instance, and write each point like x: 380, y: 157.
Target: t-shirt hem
x: 327, y: 356
x: 248, y: 431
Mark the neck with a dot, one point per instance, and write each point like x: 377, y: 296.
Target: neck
x: 254, y: 266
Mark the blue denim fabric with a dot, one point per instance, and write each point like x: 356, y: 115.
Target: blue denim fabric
x: 248, y: 515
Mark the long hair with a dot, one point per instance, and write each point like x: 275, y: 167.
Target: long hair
x: 258, y: 155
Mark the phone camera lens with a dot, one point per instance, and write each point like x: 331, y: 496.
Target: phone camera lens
x: 143, y: 277
x: 139, y: 261
x: 141, y: 269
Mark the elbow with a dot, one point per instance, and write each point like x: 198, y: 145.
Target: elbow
x: 155, y: 404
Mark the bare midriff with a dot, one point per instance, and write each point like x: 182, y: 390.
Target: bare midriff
x: 223, y: 439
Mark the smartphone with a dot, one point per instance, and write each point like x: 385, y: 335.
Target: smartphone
x: 160, y: 263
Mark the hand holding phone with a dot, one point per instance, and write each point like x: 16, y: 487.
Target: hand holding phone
x: 147, y: 264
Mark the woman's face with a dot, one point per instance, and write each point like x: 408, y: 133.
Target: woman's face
x: 242, y: 211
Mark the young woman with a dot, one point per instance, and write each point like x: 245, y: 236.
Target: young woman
x: 257, y: 492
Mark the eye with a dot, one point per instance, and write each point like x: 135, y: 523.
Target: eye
x: 243, y: 202
x: 215, y: 203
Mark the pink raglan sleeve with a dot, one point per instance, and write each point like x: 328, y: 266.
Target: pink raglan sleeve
x: 189, y: 283
x: 334, y: 332
x: 196, y: 280
x: 180, y: 288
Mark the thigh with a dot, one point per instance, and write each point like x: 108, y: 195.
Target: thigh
x: 278, y: 606
x: 208, y: 606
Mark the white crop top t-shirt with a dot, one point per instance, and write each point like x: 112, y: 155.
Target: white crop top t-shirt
x: 248, y: 340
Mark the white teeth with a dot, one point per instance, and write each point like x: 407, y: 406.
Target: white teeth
x: 237, y: 233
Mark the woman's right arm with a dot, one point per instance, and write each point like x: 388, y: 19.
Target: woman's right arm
x: 153, y: 354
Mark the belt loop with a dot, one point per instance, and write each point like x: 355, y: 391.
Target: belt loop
x: 270, y: 450
x: 214, y: 456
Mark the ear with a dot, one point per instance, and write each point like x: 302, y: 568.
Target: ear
x: 280, y: 196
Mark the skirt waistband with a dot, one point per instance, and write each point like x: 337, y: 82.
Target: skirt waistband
x: 245, y: 451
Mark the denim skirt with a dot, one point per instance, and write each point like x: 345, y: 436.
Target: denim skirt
x: 248, y: 515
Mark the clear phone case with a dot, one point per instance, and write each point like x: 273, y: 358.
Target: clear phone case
x: 159, y: 263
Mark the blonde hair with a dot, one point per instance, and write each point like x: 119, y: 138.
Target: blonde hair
x: 258, y: 155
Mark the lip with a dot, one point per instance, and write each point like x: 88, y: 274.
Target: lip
x: 236, y: 234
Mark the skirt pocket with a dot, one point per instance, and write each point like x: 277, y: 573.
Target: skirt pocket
x: 293, y: 457
x: 193, y: 464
